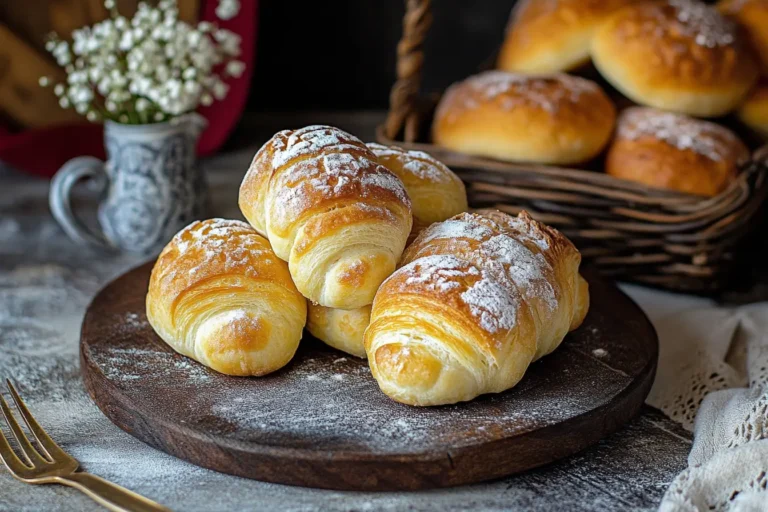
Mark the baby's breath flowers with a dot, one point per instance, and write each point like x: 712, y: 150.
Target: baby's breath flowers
x: 147, y: 69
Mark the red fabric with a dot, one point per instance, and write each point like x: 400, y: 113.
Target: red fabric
x: 43, y: 151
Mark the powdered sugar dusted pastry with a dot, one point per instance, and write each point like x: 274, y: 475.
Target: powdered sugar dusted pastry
x: 477, y: 299
x: 674, y: 151
x: 548, y: 119
x: 339, y: 218
x: 219, y: 295
x: 436, y: 194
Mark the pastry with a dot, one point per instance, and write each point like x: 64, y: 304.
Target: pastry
x: 477, y: 298
x: 753, y: 16
x: 219, y: 295
x: 342, y: 329
x: 549, y: 119
x: 673, y: 151
x: 680, y: 55
x: 546, y: 36
x: 754, y: 111
x: 436, y: 194
x: 339, y: 218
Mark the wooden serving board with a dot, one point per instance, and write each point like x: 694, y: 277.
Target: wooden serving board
x: 322, y: 421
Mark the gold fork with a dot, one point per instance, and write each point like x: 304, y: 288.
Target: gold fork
x: 52, y: 465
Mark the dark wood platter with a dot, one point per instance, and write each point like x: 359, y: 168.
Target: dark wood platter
x: 322, y: 421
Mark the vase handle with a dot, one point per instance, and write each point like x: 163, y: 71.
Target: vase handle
x: 59, y: 198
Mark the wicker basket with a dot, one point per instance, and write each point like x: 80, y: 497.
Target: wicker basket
x: 629, y: 231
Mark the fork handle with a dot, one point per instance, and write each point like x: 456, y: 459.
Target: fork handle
x: 112, y: 496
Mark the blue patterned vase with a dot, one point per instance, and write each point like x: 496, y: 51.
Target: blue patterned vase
x: 153, y: 185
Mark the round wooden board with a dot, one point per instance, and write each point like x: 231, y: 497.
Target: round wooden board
x: 322, y: 421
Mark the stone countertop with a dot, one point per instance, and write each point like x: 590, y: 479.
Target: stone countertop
x: 46, y: 282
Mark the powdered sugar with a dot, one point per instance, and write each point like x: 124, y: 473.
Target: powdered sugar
x: 416, y: 163
x: 231, y: 243
x: 492, y: 304
x: 455, y: 228
x: 527, y: 270
x: 502, y: 254
x: 438, y: 273
x: 293, y: 144
x: 331, y: 164
x: 703, y: 23
x: 682, y: 132
x: 510, y: 90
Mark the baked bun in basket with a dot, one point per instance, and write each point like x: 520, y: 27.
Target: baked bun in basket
x: 753, y: 16
x: 219, y: 295
x: 548, y: 119
x: 673, y: 151
x: 545, y: 36
x: 754, y: 111
x: 680, y: 55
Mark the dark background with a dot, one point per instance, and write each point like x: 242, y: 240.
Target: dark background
x: 340, y: 54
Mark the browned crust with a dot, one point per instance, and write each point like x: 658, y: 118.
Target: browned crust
x: 553, y: 118
x: 658, y: 163
x: 549, y: 35
x: 648, y: 46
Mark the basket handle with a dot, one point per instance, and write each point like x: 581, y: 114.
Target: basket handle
x: 410, y: 58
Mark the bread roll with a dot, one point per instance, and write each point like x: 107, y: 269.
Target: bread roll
x: 436, y: 194
x: 477, y: 299
x: 330, y: 210
x: 673, y: 151
x: 554, y: 119
x: 219, y: 295
x: 680, y: 55
x: 342, y: 329
x: 753, y: 16
x: 754, y: 111
x: 545, y: 36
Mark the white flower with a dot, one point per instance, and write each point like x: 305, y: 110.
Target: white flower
x: 142, y: 104
x: 92, y: 116
x: 227, y: 9
x: 153, y: 63
x: 235, y: 68
x: 44, y: 81
x: 192, y: 88
x: 220, y: 90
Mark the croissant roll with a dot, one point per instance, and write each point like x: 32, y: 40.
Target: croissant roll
x: 219, y: 295
x: 477, y: 299
x: 330, y: 210
x: 436, y: 194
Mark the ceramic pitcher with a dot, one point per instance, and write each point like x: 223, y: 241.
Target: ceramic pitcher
x: 153, y: 186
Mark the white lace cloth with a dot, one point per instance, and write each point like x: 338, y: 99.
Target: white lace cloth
x: 713, y: 379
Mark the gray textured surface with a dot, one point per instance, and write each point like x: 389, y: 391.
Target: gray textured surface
x: 45, y: 284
